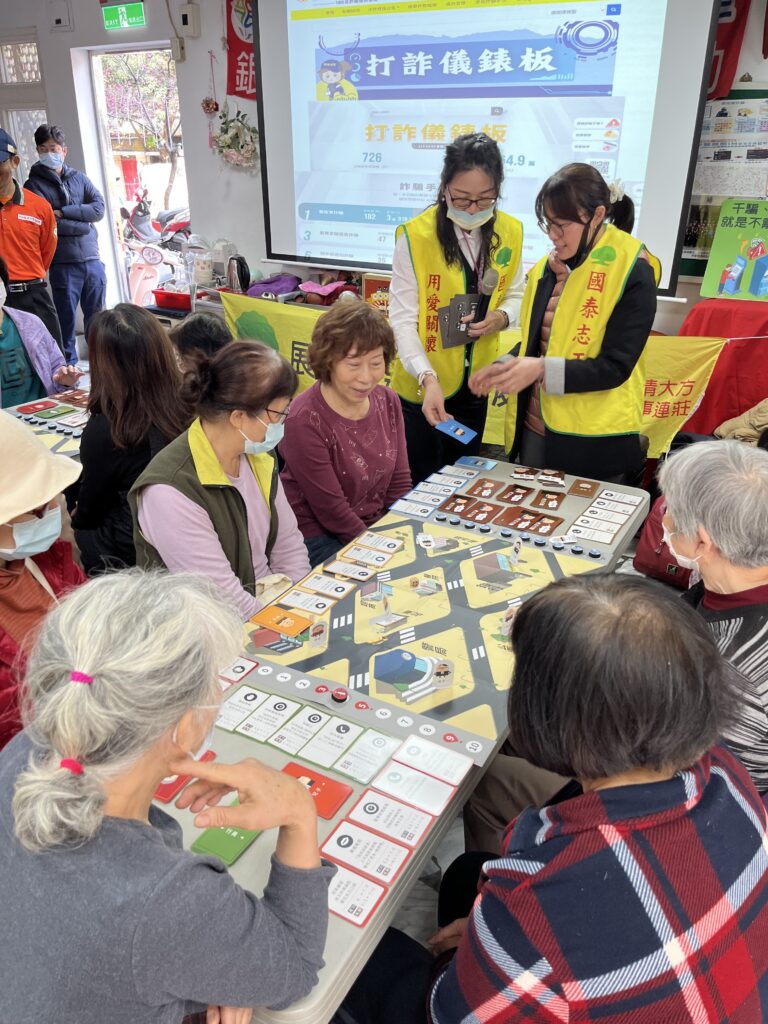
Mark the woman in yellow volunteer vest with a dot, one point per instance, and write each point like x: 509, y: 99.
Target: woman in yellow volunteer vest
x: 461, y: 242
x: 576, y: 389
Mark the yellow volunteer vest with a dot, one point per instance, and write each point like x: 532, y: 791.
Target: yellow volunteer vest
x: 584, y: 308
x: 438, y: 284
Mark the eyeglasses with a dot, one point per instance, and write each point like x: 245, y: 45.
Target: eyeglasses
x: 558, y: 228
x: 463, y: 203
x: 283, y: 413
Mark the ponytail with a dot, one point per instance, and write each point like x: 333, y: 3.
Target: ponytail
x: 622, y: 214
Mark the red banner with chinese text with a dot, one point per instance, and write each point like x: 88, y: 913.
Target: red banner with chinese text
x: 731, y: 23
x: 241, y: 72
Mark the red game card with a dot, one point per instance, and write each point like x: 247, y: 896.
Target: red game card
x: 515, y: 495
x: 548, y: 500
x: 523, y: 473
x: 458, y: 504
x: 485, y: 488
x: 328, y: 794
x: 173, y: 784
x: 32, y: 407
x: 584, y: 488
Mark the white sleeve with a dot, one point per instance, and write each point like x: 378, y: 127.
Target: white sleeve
x: 513, y: 297
x: 404, y: 311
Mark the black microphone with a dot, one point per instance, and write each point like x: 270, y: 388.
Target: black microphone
x: 487, y: 286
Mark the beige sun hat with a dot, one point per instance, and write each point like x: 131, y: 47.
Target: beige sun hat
x: 30, y: 475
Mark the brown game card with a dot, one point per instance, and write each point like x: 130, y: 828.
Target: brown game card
x: 546, y: 526
x: 482, y: 512
x: 76, y: 397
x: 485, y: 488
x: 523, y: 473
x: 584, y: 488
x: 553, y: 477
x: 515, y: 494
x: 458, y: 504
x: 517, y: 518
x: 550, y: 501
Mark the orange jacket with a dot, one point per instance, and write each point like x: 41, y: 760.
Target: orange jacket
x: 27, y: 235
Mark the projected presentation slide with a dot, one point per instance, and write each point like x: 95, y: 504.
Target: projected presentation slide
x: 379, y: 89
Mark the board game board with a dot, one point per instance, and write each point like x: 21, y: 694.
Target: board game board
x: 57, y: 421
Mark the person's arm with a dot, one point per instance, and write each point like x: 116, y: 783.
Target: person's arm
x: 513, y: 296
x: 70, y: 227
x: 400, y: 482
x: 101, y: 465
x: 92, y: 207
x: 626, y: 334
x: 48, y: 236
x: 404, y: 311
x: 307, y: 452
x: 289, y: 554
x: 183, y: 535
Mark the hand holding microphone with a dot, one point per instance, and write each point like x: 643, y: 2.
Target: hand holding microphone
x: 484, y: 322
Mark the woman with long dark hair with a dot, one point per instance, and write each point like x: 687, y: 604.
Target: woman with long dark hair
x: 587, y: 312
x: 136, y: 409
x: 458, y: 246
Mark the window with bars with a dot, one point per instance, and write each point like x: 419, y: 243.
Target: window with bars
x: 22, y: 93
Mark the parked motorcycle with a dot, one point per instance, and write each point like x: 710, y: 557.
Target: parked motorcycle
x: 148, y: 267
x: 169, y: 229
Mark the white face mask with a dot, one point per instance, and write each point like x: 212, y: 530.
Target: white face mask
x: 34, y: 536
x: 468, y: 221
x: 682, y: 560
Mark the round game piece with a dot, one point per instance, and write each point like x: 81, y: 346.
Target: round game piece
x: 485, y: 528
x: 77, y: 433
x: 454, y: 520
x: 65, y: 430
x: 506, y: 533
x: 469, y: 526
x: 594, y: 553
x: 52, y: 425
x: 558, y: 545
x: 28, y: 418
x: 577, y: 549
x: 539, y: 541
x: 339, y: 695
x: 525, y: 536
x: 441, y: 517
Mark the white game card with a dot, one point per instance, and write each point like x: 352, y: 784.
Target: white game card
x: 414, y: 787
x: 442, y: 489
x: 364, y: 851
x: 622, y: 496
x: 447, y: 765
x: 307, y: 602
x: 292, y: 736
x: 614, y: 506
x: 353, y: 897
x: 267, y: 718
x: 352, y: 572
x: 367, y: 755
x: 237, y: 670
x: 426, y: 499
x: 330, y: 742
x: 449, y: 481
x: 470, y: 474
x: 325, y: 585
x: 605, y: 516
x: 594, y: 524
x: 391, y: 818
x: 239, y: 706
x: 411, y: 508
x: 586, y: 534
x: 366, y: 556
x: 379, y: 541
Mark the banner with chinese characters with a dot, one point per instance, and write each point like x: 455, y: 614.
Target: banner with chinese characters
x: 241, y: 72
x: 677, y: 371
x: 738, y: 261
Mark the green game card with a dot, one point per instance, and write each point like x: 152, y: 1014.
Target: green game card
x: 225, y: 843
x: 58, y: 410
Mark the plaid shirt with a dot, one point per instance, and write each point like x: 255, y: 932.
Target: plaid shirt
x: 643, y: 904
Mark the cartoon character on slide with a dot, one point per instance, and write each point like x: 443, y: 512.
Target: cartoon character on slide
x: 333, y: 85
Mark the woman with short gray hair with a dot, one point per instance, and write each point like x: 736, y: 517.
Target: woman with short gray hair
x: 717, y: 525
x: 111, y: 919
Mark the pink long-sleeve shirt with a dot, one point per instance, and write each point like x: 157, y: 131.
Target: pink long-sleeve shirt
x: 341, y: 475
x: 183, y: 535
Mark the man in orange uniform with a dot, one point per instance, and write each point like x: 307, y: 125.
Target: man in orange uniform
x: 27, y: 241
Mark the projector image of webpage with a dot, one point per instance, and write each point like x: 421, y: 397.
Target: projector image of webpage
x: 370, y: 135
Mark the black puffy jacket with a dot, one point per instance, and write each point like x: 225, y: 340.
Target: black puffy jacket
x: 80, y: 203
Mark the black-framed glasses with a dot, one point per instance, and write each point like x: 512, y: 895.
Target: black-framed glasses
x: 464, y: 203
x: 282, y: 413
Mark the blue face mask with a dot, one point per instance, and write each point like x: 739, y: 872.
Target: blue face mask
x: 468, y: 221
x: 52, y: 160
x: 34, y: 536
x: 272, y: 439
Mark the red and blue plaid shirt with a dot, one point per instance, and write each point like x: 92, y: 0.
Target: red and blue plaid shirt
x: 643, y: 904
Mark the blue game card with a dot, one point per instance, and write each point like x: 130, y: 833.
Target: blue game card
x: 457, y: 431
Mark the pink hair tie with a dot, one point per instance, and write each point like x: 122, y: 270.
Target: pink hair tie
x: 80, y: 677
x: 71, y: 765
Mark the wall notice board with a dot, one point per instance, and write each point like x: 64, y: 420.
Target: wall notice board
x: 732, y: 162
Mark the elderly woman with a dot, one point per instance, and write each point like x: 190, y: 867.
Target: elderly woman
x: 344, y: 448
x: 111, y: 919
x: 36, y: 567
x: 717, y: 524
x: 639, y: 892
x: 31, y: 363
x: 211, y: 501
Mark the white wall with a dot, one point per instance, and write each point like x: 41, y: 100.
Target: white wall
x: 224, y: 201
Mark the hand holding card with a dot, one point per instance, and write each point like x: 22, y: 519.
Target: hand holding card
x: 457, y: 431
